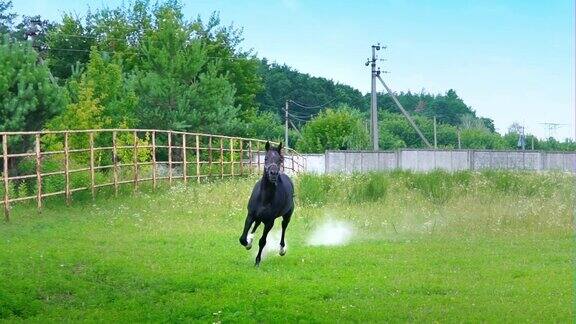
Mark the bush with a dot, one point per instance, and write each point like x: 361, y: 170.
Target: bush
x: 340, y: 129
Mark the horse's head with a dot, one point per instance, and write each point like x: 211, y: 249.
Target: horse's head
x: 272, y: 162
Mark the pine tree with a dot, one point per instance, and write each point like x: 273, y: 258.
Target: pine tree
x: 28, y: 98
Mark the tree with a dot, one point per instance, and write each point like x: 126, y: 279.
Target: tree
x: 69, y: 43
x: 180, y: 88
x: 27, y: 96
x: 101, y: 99
x: 474, y: 138
x: 239, y: 66
x: 6, y: 17
x: 334, y: 129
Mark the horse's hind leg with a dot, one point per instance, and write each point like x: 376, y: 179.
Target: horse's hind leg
x: 285, y: 222
x: 262, y: 242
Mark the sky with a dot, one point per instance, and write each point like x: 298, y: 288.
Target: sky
x: 512, y: 61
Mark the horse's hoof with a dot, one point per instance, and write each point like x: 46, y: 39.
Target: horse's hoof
x: 249, y: 242
x: 283, y: 250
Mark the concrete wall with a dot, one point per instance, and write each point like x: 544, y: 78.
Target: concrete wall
x: 450, y: 160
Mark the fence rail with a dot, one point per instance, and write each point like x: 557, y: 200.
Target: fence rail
x: 114, y: 157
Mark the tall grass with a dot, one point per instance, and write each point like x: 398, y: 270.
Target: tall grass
x: 438, y: 187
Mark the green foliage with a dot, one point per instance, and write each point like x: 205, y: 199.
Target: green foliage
x: 266, y: 125
x: 142, y: 64
x: 474, y: 138
x: 102, y: 98
x: 396, y: 132
x: 283, y: 83
x: 334, y: 129
x: 240, y: 67
x: 27, y: 96
x: 70, y: 42
x: 179, y: 86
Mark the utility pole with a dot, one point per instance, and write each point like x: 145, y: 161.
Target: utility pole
x: 459, y: 143
x: 374, y: 99
x: 286, y: 125
x: 435, y: 142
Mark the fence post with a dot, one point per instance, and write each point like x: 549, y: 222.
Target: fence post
x: 209, y: 156
x: 38, y: 174
x: 258, y: 153
x: 198, y: 158
x: 250, y: 156
x: 6, y: 187
x: 241, y: 157
x: 115, y: 162
x: 135, y: 158
x: 184, y: 171
x: 92, y: 180
x: 170, y: 158
x: 154, y: 181
x: 67, y: 169
x: 221, y: 157
x: 231, y: 157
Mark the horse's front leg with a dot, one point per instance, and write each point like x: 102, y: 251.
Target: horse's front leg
x: 267, y: 227
x: 285, y: 222
x: 243, y: 237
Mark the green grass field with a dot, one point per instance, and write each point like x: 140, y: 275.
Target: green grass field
x: 467, y: 247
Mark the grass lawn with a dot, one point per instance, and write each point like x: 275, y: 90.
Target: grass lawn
x: 473, y: 248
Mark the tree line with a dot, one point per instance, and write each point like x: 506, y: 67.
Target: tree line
x: 143, y: 65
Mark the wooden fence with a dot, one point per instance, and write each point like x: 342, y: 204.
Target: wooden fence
x: 33, y: 161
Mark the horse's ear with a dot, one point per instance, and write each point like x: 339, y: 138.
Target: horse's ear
x: 280, y: 148
x: 267, y: 146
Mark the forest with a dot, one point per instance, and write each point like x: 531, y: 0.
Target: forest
x: 144, y: 65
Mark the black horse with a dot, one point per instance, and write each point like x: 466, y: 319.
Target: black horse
x: 272, y: 197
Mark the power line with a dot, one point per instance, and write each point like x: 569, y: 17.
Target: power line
x: 312, y: 107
